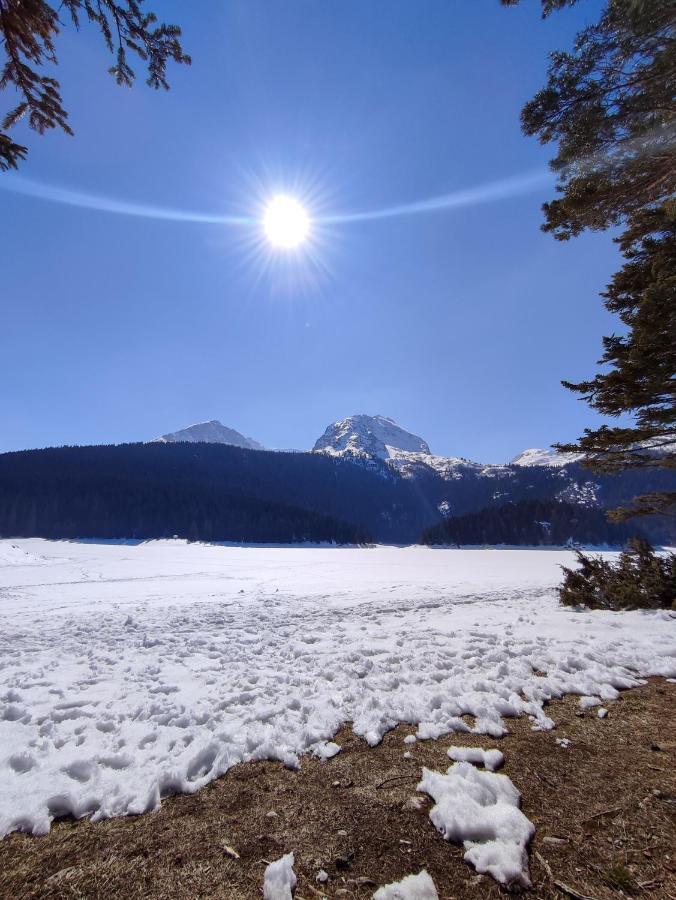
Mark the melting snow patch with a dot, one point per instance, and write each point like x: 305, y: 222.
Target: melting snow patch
x: 481, y: 811
x: 280, y: 879
x: 589, y: 702
x: 563, y: 742
x: 413, y: 887
x: 326, y: 749
x: 602, y: 712
x: 489, y: 759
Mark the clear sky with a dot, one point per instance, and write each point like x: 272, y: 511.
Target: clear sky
x: 457, y: 323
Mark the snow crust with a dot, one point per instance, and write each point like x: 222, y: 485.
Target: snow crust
x: 480, y: 810
x: 279, y: 879
x: 131, y: 671
x: 412, y: 887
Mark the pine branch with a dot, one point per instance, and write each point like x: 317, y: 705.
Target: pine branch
x: 29, y: 28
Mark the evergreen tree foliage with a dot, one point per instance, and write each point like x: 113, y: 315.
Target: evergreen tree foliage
x: 153, y: 491
x: 640, y: 363
x: 610, y: 106
x: 29, y: 29
x: 641, y: 579
x: 217, y: 492
x: 529, y: 522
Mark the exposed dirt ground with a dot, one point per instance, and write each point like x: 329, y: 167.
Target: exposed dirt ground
x: 604, y: 811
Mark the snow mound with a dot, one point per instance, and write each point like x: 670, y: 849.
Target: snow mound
x: 413, y: 887
x: 489, y: 759
x: 481, y: 811
x: 280, y: 879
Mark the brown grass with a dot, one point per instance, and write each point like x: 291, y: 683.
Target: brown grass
x: 604, y: 811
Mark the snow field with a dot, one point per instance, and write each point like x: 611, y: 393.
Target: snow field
x: 128, y: 672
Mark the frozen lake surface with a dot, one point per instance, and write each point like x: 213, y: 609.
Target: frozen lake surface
x: 131, y: 671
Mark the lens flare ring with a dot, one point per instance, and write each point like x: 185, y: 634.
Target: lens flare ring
x: 296, y: 228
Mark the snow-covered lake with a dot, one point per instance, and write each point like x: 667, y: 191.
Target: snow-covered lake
x: 130, y: 671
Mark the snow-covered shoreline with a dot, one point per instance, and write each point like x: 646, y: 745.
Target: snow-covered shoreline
x: 128, y: 671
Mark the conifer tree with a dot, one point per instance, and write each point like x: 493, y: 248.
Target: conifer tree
x: 610, y: 106
x: 29, y: 29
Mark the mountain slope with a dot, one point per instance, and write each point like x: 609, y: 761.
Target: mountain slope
x: 454, y: 486
x: 195, y: 489
x: 533, y: 522
x: 212, y: 432
x: 212, y: 491
x: 375, y: 436
x: 536, y: 456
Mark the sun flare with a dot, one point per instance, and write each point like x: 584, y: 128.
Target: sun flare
x: 286, y: 223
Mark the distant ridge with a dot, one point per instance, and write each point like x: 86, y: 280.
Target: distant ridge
x: 212, y: 432
x: 536, y: 456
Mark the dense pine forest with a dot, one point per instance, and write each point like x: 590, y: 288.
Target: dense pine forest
x: 533, y: 522
x: 200, y: 492
x: 215, y: 492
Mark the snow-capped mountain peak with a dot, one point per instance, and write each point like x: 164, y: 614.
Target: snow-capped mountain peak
x: 537, y: 456
x: 376, y: 436
x: 212, y: 432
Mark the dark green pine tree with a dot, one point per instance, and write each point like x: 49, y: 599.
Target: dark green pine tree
x: 641, y: 363
x: 29, y: 29
x: 610, y: 106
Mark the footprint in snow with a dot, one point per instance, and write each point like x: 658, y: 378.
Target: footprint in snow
x: 79, y: 770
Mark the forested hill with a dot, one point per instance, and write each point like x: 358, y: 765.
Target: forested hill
x: 217, y: 492
x: 203, y: 492
x: 533, y: 522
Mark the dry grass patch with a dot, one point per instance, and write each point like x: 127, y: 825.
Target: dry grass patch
x: 604, y: 811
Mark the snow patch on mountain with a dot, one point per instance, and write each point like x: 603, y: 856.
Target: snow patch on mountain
x: 380, y: 441
x: 376, y: 436
x: 538, y: 456
x: 585, y: 494
x: 450, y: 468
x: 213, y: 432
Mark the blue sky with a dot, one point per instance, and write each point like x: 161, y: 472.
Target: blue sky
x: 458, y: 323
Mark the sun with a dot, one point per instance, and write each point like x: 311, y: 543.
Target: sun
x: 286, y: 223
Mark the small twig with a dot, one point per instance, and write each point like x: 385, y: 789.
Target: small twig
x: 314, y: 891
x: 604, y: 812
x: 540, y: 777
x: 576, y: 895
x: 545, y: 865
